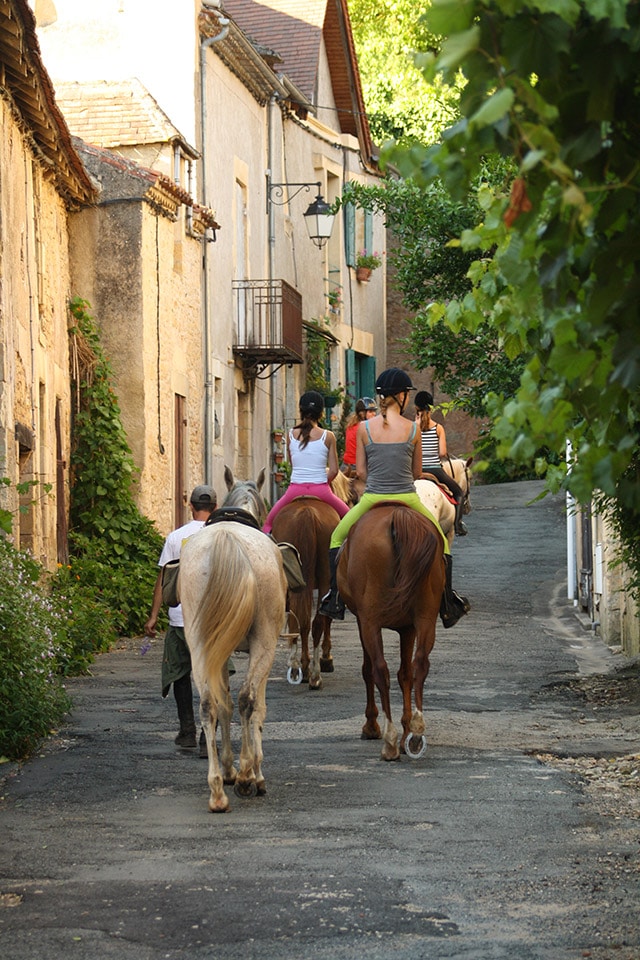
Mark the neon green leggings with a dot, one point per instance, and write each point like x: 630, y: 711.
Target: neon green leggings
x: 367, y: 501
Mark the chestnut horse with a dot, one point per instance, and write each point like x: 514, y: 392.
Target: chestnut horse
x: 233, y: 592
x: 391, y: 575
x: 308, y: 523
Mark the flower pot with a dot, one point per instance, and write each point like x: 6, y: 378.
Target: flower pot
x: 278, y: 436
x: 330, y: 402
x: 363, y: 274
x: 278, y: 457
x: 278, y: 476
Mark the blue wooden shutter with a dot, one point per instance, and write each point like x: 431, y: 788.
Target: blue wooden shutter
x: 368, y: 231
x: 351, y: 385
x: 350, y: 234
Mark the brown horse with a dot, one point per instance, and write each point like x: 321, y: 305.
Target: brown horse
x: 308, y: 523
x: 391, y: 575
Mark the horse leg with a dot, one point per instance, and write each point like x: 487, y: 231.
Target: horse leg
x: 405, y: 677
x: 225, y: 712
x: 415, y: 735
x: 218, y: 800
x: 326, y: 660
x: 315, y: 680
x: 371, y: 729
x: 257, y: 725
x: 371, y: 638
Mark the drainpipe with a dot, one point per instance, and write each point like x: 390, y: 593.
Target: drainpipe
x: 271, y: 226
x: 223, y: 21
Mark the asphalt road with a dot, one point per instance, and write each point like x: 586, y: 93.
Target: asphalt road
x: 482, y: 850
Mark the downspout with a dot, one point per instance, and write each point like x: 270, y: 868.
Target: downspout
x: 206, y: 322
x: 271, y: 226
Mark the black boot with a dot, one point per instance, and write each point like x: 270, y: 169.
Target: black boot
x: 458, y: 525
x: 452, y: 606
x: 184, y: 702
x: 332, y: 604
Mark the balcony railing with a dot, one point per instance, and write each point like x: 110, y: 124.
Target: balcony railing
x: 268, y: 323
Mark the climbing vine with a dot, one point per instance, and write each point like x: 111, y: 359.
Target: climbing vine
x: 116, y: 545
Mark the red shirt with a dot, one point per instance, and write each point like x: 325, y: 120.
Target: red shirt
x: 350, y: 445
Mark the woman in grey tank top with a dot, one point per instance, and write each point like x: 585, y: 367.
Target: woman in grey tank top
x: 389, y: 456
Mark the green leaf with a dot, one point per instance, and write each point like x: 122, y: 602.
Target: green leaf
x: 493, y: 109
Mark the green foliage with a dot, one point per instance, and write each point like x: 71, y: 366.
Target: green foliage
x: 32, y: 654
x: 115, y: 548
x: 626, y: 524
x: 401, y: 106
x: 559, y: 287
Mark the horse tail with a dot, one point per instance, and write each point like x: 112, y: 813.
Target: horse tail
x: 228, y: 606
x: 415, y: 546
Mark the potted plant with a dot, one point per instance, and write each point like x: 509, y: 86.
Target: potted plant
x: 277, y: 435
x: 335, y: 299
x: 365, y: 264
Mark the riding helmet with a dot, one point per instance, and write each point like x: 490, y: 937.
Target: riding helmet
x: 312, y: 403
x: 369, y: 403
x: 393, y: 381
x: 423, y: 400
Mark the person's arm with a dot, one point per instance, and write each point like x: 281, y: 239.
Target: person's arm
x: 332, y: 460
x: 442, y: 441
x: 150, y: 625
x: 361, y: 456
x: 416, y: 461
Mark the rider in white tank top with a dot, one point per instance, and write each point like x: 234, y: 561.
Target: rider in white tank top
x: 310, y: 464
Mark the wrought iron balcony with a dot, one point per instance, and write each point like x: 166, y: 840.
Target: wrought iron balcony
x: 268, y: 324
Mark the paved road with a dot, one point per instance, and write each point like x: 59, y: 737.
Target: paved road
x: 479, y: 851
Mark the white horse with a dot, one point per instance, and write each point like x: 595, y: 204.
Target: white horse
x: 233, y: 592
x: 435, y: 499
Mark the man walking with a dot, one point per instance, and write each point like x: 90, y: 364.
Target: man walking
x: 176, y: 662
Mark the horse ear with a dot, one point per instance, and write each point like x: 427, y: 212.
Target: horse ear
x: 228, y: 477
x: 261, y: 479
x: 469, y: 461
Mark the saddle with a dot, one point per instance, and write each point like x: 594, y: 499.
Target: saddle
x: 438, y: 483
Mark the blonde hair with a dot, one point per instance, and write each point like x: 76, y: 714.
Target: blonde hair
x: 425, y: 420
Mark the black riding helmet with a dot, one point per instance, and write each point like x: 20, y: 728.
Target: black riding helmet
x: 393, y: 381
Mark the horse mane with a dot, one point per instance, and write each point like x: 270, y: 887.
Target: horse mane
x: 415, y: 544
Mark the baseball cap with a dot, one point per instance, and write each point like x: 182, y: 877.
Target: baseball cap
x: 204, y: 496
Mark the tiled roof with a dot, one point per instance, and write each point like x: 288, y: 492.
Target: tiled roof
x: 293, y: 28
x: 27, y: 87
x: 114, y: 113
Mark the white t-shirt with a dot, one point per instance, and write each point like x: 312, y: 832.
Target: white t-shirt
x: 171, y: 551
x: 309, y: 465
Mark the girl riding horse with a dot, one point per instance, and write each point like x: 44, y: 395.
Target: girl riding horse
x: 389, y: 457
x: 434, y: 448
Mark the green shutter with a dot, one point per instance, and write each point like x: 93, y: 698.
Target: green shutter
x: 368, y: 376
x: 368, y: 231
x: 350, y: 374
x: 350, y: 234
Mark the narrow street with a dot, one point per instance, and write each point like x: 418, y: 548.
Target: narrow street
x: 516, y: 836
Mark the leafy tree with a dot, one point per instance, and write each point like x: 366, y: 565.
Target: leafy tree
x: 554, y: 85
x: 400, y: 105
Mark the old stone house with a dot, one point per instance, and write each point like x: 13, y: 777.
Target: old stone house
x: 270, y: 95
x: 42, y: 180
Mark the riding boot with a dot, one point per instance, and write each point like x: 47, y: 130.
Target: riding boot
x: 459, y: 527
x: 332, y: 604
x: 452, y: 606
x: 184, y: 702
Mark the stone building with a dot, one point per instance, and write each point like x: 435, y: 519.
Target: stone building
x: 42, y: 180
x: 269, y: 94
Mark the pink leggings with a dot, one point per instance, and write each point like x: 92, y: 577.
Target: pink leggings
x: 322, y: 491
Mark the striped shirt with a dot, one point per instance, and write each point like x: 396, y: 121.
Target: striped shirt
x: 430, y: 449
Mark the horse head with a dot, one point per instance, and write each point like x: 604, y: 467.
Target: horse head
x: 245, y: 494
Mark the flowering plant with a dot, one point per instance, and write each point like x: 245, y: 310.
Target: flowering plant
x: 368, y: 260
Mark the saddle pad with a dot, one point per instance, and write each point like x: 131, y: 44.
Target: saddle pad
x: 233, y: 513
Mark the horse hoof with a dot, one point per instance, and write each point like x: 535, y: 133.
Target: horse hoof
x: 326, y: 664
x: 245, y: 789
x: 415, y: 746
x: 315, y: 684
x: 371, y: 733
x: 294, y: 675
x: 261, y: 788
x: 221, y: 805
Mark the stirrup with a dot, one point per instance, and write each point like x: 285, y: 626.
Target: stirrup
x: 332, y: 606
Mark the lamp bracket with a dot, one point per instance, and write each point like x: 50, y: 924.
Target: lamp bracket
x: 281, y: 193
